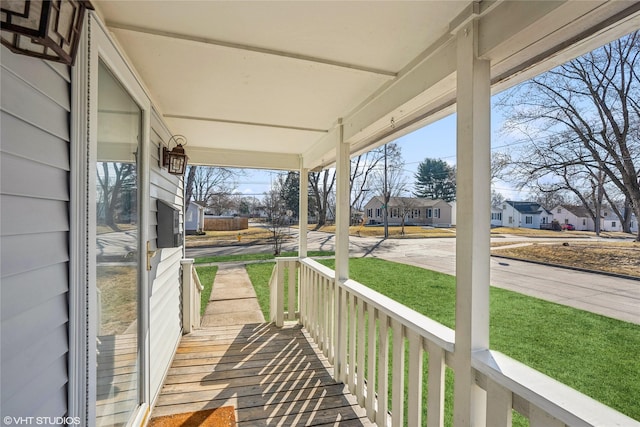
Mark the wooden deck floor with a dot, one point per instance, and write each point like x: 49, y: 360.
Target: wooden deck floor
x: 117, y: 373
x: 271, y: 376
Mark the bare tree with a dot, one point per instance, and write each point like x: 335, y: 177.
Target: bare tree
x: 322, y: 186
x: 114, y: 180
x: 556, y: 166
x: 249, y: 205
x: 499, y: 164
x: 275, y: 206
x: 390, y: 181
x: 497, y: 199
x: 549, y: 199
x: 620, y: 205
x: 188, y: 185
x: 363, y: 169
x: 591, y: 106
x: 364, y: 177
x: 212, y: 185
x: 406, y: 206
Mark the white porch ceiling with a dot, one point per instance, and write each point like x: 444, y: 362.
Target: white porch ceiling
x: 264, y: 83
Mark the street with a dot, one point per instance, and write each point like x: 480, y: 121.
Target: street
x: 606, y: 295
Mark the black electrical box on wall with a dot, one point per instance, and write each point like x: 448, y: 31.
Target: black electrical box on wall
x: 168, y: 227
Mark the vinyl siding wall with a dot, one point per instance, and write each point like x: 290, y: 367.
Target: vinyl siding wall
x: 165, y: 312
x: 34, y: 271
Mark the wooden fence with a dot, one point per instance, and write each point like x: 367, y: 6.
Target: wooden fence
x: 226, y: 223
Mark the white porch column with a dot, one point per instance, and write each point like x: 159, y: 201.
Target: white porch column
x: 343, y: 210
x: 342, y: 249
x: 473, y: 224
x: 303, y: 206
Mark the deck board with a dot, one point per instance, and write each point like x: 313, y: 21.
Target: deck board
x: 272, y: 376
x: 116, y: 379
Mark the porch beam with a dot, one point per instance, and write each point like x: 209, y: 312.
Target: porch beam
x: 323, y: 152
x: 240, y: 158
x: 415, y: 88
x: 250, y: 48
x: 473, y: 226
x: 242, y: 123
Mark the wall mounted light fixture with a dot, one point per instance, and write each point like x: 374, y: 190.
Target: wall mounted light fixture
x: 48, y: 29
x: 175, y: 160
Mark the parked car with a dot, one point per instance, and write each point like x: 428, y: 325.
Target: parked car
x: 568, y: 227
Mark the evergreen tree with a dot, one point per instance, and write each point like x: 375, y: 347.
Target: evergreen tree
x: 290, y: 192
x: 435, y: 179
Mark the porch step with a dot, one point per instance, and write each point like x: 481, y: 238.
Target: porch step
x: 272, y: 376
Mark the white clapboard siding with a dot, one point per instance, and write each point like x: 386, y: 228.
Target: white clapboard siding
x: 34, y: 196
x: 165, y: 319
x: 24, y: 140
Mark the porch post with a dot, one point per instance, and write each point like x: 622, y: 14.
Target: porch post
x: 303, y: 206
x: 473, y: 224
x: 342, y: 206
x: 342, y: 249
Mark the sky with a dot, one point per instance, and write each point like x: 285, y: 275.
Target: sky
x: 437, y: 140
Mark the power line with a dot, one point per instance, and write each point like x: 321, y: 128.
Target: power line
x: 509, y: 144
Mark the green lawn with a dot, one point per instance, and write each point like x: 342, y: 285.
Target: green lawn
x: 259, y: 274
x: 591, y: 353
x: 206, y: 276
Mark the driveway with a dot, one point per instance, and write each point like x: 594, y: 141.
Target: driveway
x: 606, y: 295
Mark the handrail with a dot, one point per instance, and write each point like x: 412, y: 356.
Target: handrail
x: 191, y: 296
x: 321, y: 269
x: 542, y: 393
x: 363, y: 332
x: 196, y: 298
x: 196, y: 280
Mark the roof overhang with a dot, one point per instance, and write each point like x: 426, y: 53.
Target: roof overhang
x: 264, y: 84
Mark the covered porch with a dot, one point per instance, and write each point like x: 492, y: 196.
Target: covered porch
x: 290, y: 101
x: 294, y: 86
x: 339, y: 352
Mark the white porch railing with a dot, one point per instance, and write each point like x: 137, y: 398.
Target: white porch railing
x: 356, y: 327
x: 285, y: 267
x: 191, y: 296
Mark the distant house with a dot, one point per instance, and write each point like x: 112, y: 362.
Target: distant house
x: 577, y: 215
x: 496, y: 216
x: 523, y: 214
x: 416, y: 211
x: 194, y: 221
x: 259, y: 211
x: 611, y: 222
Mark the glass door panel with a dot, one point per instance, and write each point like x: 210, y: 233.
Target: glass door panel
x: 117, y: 248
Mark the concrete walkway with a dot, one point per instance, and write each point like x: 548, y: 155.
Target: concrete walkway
x: 233, y: 300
